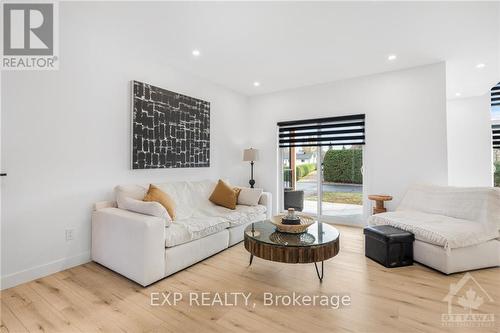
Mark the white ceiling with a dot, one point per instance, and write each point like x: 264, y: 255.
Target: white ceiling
x: 285, y: 45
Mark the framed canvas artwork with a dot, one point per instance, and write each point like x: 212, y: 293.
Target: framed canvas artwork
x: 169, y: 130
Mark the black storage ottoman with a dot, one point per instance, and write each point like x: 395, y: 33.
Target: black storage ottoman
x: 389, y: 246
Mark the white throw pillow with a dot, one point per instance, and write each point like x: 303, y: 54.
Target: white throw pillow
x: 131, y: 191
x: 249, y: 196
x: 152, y: 208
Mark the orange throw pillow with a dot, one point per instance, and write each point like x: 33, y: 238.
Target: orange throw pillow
x: 224, y: 195
x: 155, y: 194
x: 237, y: 190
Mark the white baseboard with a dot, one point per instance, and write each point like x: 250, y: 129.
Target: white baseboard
x: 30, y: 274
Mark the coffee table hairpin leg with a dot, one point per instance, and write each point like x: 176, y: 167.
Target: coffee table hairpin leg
x: 320, y: 277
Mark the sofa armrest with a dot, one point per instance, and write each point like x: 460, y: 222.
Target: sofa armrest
x: 104, y: 204
x: 129, y: 243
x: 266, y: 199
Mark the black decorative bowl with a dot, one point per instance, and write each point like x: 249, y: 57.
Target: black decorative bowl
x: 286, y: 221
x: 305, y: 222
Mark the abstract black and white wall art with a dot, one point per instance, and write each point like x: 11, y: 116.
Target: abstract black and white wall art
x: 169, y: 130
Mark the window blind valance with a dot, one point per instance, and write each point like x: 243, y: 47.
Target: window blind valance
x: 331, y: 131
x: 495, y: 131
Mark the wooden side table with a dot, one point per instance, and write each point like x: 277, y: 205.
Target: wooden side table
x: 379, y: 202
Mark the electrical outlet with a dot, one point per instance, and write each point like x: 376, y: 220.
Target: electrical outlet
x: 69, y: 234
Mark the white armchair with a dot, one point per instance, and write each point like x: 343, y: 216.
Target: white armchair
x: 456, y: 228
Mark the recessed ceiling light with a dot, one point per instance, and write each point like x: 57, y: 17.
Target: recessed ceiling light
x: 256, y: 84
x: 458, y: 94
x: 392, y: 57
x: 196, y: 52
x: 481, y: 65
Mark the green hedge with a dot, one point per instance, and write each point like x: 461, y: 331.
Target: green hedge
x: 300, y: 170
x: 497, y: 174
x: 303, y: 170
x: 343, y: 166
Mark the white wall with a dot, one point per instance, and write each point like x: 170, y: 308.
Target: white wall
x: 405, y: 126
x: 469, y: 142
x: 66, y: 139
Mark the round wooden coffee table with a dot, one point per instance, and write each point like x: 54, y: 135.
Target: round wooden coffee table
x: 319, y: 243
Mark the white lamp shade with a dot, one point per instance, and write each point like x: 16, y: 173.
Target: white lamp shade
x: 250, y: 155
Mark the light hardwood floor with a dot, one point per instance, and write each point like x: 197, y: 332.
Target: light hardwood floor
x: 91, y: 298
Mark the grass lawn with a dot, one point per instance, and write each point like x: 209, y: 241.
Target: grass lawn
x: 340, y: 197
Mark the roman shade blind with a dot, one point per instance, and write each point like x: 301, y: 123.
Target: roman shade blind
x: 331, y: 131
x: 495, y: 95
x: 495, y: 129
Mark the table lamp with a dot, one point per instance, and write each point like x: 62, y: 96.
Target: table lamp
x: 251, y: 155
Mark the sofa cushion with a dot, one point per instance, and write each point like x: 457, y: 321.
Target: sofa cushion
x: 136, y: 192
x: 147, y: 208
x: 188, y: 196
x: 480, y: 204
x: 224, y: 195
x: 251, y: 213
x: 240, y: 215
x: 249, y: 196
x: 156, y: 195
x: 187, y: 230
x: 445, y: 231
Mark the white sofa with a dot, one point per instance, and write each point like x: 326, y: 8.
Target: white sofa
x: 456, y: 229
x: 146, y: 249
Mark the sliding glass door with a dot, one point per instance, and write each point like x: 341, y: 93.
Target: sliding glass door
x: 495, y: 132
x: 300, y: 185
x: 342, y: 183
x: 321, y: 166
x: 496, y: 167
x: 325, y: 181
